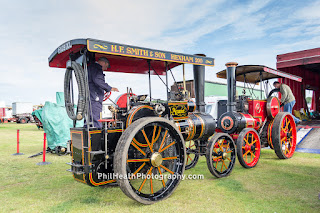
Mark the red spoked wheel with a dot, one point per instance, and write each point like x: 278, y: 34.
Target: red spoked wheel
x: 248, y: 148
x: 269, y: 134
x: 284, y: 135
x: 106, y: 96
x: 220, y: 155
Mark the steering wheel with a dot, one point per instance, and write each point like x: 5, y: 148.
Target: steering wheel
x: 106, y: 96
x: 274, y: 92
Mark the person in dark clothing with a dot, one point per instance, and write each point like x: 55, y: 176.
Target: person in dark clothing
x: 97, y: 86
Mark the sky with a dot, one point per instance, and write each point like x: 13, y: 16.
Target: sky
x: 245, y: 31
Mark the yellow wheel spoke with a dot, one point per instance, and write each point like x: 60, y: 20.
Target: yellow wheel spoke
x: 138, y: 143
x: 167, y: 147
x: 216, y: 158
x: 215, y: 150
x: 224, y: 164
x: 246, y: 152
x: 228, y: 146
x: 170, y: 158
x: 220, y: 146
x: 165, y: 168
x: 163, y: 183
x: 163, y: 139
x: 216, y: 165
x: 151, y: 185
x: 138, y: 148
x: 251, y: 138
x: 148, y: 142
x: 139, y: 169
x: 246, y: 139
x: 153, y: 136
x: 158, y: 135
x: 144, y: 181
x: 253, y: 154
x: 138, y: 160
x: 253, y: 142
x: 229, y: 159
x: 229, y: 151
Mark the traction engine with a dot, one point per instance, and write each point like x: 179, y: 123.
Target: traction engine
x: 255, y: 124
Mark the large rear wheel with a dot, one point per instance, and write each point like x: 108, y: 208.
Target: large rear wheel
x: 248, y: 148
x: 284, y: 135
x: 221, y: 155
x: 150, y: 159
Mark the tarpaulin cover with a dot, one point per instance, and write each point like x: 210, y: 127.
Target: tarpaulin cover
x: 56, y: 122
x: 38, y: 113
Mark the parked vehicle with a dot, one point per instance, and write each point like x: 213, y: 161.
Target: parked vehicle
x: 216, y: 105
x: 21, y: 112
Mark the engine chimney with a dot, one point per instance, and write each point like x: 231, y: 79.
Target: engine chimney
x: 231, y: 84
x: 199, y: 80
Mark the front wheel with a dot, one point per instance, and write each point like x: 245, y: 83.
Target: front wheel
x: 284, y: 135
x: 150, y: 160
x: 221, y: 155
x: 192, y: 154
x: 23, y: 120
x: 248, y: 148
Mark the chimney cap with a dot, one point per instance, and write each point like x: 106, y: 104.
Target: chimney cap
x: 231, y: 64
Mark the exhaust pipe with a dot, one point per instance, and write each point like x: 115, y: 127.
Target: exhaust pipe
x: 199, y: 80
x: 231, y: 84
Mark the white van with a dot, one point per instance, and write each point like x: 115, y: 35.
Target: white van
x: 216, y: 105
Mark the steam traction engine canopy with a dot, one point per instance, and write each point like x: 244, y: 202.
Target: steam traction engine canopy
x: 244, y: 112
x: 124, y: 58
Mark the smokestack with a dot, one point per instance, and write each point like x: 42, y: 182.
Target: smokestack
x: 231, y: 84
x: 199, y: 80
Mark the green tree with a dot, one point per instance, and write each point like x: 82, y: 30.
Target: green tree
x: 308, y: 99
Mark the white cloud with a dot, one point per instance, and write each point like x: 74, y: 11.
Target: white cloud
x: 310, y: 12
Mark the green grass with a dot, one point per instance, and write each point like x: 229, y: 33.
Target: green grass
x: 273, y: 186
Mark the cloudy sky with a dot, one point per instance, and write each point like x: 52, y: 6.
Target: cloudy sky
x: 246, y: 31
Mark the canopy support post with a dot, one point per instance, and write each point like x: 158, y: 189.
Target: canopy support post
x: 244, y: 84
x: 260, y: 85
x: 149, y: 78
x: 184, y: 81
x: 167, y: 81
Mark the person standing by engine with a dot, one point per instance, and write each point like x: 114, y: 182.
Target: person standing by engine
x: 97, y: 86
x: 287, y: 98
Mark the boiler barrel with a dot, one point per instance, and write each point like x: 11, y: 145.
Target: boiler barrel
x: 197, y: 126
x: 231, y: 122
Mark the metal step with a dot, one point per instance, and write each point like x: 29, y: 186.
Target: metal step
x: 77, y: 173
x: 100, y: 152
x: 75, y: 165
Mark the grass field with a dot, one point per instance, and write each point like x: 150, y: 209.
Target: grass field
x: 273, y: 186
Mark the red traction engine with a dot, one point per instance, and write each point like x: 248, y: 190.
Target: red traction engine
x: 255, y: 124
